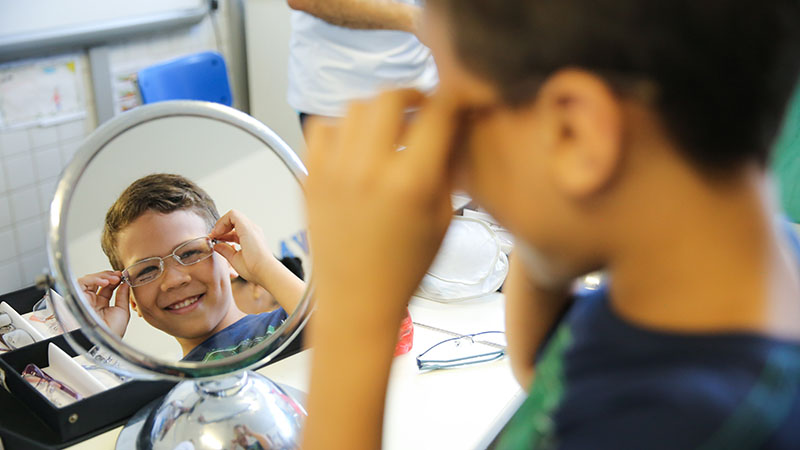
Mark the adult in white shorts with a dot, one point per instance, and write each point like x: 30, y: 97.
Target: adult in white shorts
x: 343, y: 50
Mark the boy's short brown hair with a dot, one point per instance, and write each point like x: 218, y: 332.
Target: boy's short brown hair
x: 723, y: 71
x: 160, y: 192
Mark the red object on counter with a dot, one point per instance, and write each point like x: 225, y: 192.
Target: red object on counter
x: 406, y: 336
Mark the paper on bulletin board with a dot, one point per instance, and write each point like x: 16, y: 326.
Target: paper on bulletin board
x: 126, y: 91
x: 41, y: 92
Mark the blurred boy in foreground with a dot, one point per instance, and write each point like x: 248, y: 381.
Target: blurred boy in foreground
x: 620, y: 135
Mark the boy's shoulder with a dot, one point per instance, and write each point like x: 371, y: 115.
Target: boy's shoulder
x: 602, y: 382
x: 239, y: 336
x: 605, y: 382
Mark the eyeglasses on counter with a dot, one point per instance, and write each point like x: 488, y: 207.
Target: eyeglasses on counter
x: 463, y: 350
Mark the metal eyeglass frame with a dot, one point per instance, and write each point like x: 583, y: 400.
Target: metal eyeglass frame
x: 434, y: 364
x: 33, y: 371
x: 11, y: 328
x: 126, y: 272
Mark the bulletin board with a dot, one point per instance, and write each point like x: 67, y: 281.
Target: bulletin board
x: 36, y: 26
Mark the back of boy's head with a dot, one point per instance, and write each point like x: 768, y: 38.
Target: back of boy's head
x: 161, y: 193
x: 721, y: 71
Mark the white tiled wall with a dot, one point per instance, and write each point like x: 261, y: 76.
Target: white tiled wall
x: 31, y: 159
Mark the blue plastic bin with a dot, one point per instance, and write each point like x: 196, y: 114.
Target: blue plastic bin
x: 201, y: 76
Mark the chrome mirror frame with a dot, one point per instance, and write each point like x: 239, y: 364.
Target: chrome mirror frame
x: 143, y: 365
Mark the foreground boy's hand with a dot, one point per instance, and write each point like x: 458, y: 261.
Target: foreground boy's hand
x: 376, y: 219
x: 253, y: 260
x: 377, y: 215
x: 98, y: 288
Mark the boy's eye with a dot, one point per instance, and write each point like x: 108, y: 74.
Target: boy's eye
x: 146, y: 272
x: 188, y: 254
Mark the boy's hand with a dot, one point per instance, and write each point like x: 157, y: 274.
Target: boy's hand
x: 376, y: 218
x: 253, y: 259
x: 377, y: 215
x: 98, y: 288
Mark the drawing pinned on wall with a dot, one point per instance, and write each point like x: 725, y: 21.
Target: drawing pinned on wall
x: 41, y: 92
x: 126, y: 91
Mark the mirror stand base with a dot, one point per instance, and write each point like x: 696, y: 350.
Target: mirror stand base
x: 253, y: 410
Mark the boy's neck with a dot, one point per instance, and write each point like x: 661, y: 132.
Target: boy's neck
x: 709, y: 257
x: 233, y: 315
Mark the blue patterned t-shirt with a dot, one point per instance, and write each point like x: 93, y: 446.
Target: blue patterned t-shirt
x: 604, y: 383
x: 238, y: 337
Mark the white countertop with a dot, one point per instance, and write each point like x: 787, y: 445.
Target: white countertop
x: 454, y: 409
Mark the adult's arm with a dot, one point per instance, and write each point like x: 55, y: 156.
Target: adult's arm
x: 363, y: 14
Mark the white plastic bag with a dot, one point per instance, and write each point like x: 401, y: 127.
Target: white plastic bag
x: 470, y: 263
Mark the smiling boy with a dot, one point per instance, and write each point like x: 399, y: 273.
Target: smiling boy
x: 172, y: 264
x: 620, y: 135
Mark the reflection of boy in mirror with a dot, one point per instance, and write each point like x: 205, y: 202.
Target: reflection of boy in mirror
x: 173, y: 264
x: 247, y: 439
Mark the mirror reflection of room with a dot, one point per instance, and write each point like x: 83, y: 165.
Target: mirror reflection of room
x: 186, y: 145
x: 187, y: 292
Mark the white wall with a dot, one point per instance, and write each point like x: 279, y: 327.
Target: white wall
x: 32, y: 156
x: 267, y: 28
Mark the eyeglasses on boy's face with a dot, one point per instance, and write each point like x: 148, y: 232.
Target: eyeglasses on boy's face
x: 12, y: 337
x: 464, y: 350
x: 188, y: 253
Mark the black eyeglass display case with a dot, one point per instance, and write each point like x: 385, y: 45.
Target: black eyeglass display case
x: 29, y: 421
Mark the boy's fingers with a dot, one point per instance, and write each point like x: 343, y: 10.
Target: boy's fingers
x: 431, y: 137
x: 382, y: 126
x: 122, y: 298
x: 231, y: 236
x: 94, y: 281
x: 225, y: 250
x: 224, y: 225
x: 105, y: 293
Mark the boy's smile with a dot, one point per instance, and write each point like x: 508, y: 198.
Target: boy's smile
x: 190, y: 302
x: 185, y: 306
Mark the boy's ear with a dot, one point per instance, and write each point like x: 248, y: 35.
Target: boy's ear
x: 132, y: 300
x: 586, y: 125
x: 232, y: 272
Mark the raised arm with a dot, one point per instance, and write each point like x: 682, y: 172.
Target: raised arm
x: 254, y: 261
x: 376, y: 218
x: 363, y: 14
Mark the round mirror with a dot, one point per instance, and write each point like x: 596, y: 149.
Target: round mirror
x: 190, y: 313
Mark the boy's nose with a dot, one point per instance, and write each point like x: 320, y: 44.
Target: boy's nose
x: 175, y: 275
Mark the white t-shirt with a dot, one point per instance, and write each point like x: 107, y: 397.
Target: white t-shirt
x: 330, y: 66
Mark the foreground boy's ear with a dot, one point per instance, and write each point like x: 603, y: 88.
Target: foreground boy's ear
x: 587, y: 133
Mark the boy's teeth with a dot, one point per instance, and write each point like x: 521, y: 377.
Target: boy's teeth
x: 184, y: 303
